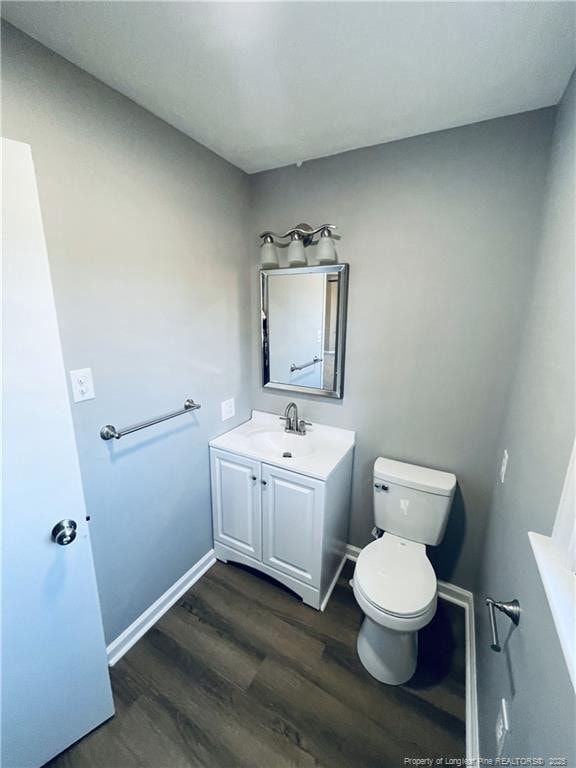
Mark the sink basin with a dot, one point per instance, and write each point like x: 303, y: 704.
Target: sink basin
x: 280, y: 443
x: 262, y: 438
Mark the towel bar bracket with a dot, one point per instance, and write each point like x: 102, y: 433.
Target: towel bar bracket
x: 510, y: 609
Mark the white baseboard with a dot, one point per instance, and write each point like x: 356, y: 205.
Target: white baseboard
x: 465, y: 599
x: 333, y: 584
x: 352, y: 552
x: 151, y: 615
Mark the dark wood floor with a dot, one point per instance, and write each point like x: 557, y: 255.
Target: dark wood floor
x: 240, y: 673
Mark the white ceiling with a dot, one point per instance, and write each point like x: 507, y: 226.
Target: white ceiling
x: 267, y: 84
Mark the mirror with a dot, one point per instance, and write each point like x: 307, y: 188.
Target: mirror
x: 303, y: 315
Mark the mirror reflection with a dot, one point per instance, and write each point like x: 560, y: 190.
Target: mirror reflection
x: 303, y: 326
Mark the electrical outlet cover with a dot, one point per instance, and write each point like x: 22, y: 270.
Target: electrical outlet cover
x: 82, y: 384
x: 228, y: 409
x: 504, y: 466
x: 502, y: 727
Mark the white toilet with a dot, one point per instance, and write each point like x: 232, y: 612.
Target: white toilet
x: 394, y: 582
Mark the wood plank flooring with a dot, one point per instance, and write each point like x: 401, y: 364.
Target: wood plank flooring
x: 241, y: 673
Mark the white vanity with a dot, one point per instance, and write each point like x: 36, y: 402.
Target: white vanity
x: 285, y: 515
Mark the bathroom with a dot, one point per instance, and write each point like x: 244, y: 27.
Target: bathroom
x: 155, y: 146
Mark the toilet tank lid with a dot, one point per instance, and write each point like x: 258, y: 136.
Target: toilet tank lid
x: 413, y: 476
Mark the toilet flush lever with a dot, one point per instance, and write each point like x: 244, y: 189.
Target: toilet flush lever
x: 511, y: 609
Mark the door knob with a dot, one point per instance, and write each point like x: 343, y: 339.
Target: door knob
x: 64, y: 532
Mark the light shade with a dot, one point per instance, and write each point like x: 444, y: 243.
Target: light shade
x: 268, y: 254
x: 325, y: 250
x: 296, y: 254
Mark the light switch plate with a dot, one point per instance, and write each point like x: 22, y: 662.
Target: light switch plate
x: 228, y: 409
x: 504, y: 466
x: 82, y: 385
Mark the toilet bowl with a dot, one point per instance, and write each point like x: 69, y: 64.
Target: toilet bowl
x: 394, y: 582
x: 395, y: 586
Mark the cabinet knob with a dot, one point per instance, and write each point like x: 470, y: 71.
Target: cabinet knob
x: 264, y: 482
x: 254, y: 477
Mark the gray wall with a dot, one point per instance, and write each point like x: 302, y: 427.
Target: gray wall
x: 538, y: 433
x: 440, y: 234
x: 146, y: 234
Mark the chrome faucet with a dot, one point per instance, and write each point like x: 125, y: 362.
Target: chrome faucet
x: 293, y: 423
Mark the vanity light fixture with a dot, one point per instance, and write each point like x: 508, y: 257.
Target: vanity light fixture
x: 268, y: 253
x: 300, y: 236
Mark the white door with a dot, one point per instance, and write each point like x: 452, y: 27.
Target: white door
x: 292, y: 507
x: 55, y: 683
x: 236, y: 508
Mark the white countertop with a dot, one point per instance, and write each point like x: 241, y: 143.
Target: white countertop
x: 329, y: 445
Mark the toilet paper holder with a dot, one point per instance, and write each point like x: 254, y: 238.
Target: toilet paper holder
x: 510, y: 609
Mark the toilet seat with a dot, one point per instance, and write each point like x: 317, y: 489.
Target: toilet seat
x: 395, y: 576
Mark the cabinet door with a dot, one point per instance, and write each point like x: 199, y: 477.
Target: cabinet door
x: 292, y: 511
x: 236, y: 505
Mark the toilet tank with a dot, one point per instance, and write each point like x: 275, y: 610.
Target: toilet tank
x: 411, y: 501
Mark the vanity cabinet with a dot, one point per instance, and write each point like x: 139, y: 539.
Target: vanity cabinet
x: 286, y: 524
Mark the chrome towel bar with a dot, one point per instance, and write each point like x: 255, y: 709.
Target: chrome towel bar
x: 108, y: 432
x: 295, y: 367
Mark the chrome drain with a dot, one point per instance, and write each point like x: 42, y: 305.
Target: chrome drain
x: 286, y: 455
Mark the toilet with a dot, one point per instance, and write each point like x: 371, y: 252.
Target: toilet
x: 394, y: 582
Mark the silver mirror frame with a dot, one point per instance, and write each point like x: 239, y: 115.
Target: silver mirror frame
x: 339, y: 360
